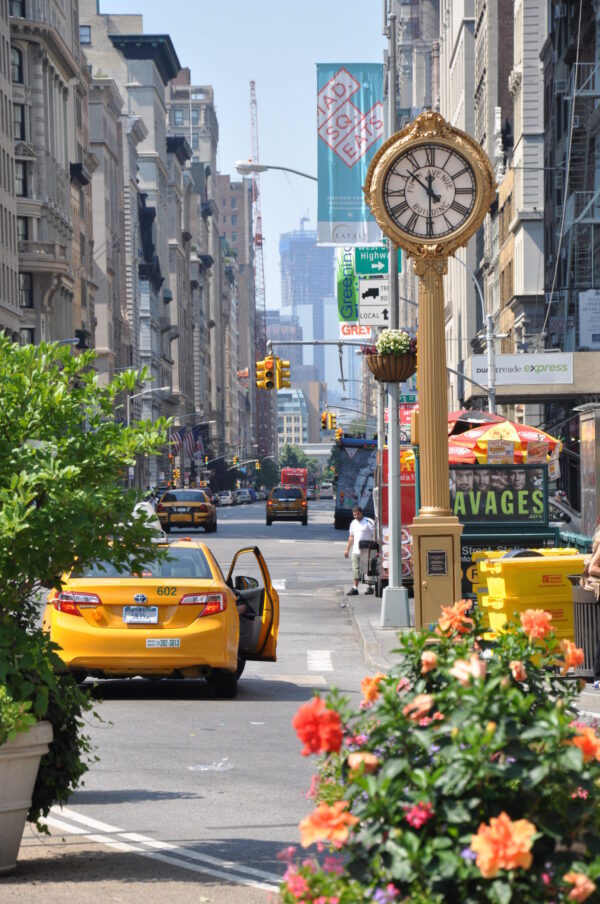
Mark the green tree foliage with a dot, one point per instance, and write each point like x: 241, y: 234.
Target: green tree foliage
x: 293, y: 457
x: 62, y: 459
x: 269, y: 474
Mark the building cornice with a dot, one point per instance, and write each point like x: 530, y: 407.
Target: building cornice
x: 47, y: 37
x: 158, y: 48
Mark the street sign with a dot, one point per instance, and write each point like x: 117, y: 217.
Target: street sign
x: 374, y: 301
x: 355, y: 331
x: 373, y: 260
x: 407, y: 398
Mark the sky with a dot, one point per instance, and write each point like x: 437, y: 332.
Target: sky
x: 276, y: 43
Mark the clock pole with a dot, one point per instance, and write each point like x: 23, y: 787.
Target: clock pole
x: 429, y: 187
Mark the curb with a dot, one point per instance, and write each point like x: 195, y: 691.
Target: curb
x: 367, y: 637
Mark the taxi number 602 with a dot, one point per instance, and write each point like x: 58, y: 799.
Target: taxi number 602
x: 166, y: 591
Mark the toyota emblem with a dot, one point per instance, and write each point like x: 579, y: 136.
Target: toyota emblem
x: 140, y: 598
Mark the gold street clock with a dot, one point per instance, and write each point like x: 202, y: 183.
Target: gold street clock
x: 429, y: 187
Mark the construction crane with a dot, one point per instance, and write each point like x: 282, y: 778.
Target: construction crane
x: 259, y: 260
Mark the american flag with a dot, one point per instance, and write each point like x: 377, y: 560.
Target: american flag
x: 198, y: 444
x: 188, y: 442
x: 176, y: 440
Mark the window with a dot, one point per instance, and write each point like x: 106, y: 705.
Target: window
x: 234, y: 236
x: 22, y: 229
x: 195, y: 141
x: 234, y: 202
x: 21, y: 179
x: 25, y: 290
x: 16, y: 65
x: 85, y: 34
x: 178, y: 117
x: 17, y: 8
x: 195, y: 117
x: 27, y: 336
x: 19, y: 122
x: 197, y: 95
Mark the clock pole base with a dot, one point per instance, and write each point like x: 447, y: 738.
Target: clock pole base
x: 436, y: 563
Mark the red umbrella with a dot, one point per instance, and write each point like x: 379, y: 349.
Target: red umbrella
x: 460, y: 421
x: 522, y: 435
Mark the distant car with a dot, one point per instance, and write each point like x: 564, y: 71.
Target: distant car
x: 286, y: 504
x: 225, y: 497
x: 177, y: 617
x: 326, y: 491
x: 243, y: 497
x: 253, y: 495
x: 187, y: 508
x: 311, y: 493
x: 563, y: 515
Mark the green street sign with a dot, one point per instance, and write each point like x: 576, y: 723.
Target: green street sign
x: 372, y: 260
x: 409, y: 399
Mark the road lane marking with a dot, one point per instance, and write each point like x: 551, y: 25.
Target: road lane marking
x: 319, y: 661
x: 279, y: 585
x: 163, y: 851
x: 300, y: 680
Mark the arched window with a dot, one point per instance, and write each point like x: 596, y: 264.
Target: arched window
x: 16, y: 63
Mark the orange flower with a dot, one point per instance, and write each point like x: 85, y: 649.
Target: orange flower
x: 464, y: 669
x: 536, y: 623
x: 418, y: 707
x: 503, y: 844
x: 319, y: 728
x: 454, y: 618
x: 518, y: 670
x: 368, y: 761
x: 370, y: 687
x: 428, y: 661
x: 589, y: 743
x: 327, y: 824
x: 573, y: 656
x: 583, y: 886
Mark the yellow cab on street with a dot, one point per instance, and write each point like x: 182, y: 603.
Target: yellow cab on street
x: 178, y: 617
x: 188, y: 509
x: 286, y: 504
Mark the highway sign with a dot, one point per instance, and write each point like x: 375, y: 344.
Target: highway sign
x: 374, y: 301
x: 372, y: 260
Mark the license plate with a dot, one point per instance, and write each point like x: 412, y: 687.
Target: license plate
x: 180, y: 509
x: 140, y: 615
x: 162, y: 642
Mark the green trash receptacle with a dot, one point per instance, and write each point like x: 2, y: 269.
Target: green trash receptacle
x: 586, y: 624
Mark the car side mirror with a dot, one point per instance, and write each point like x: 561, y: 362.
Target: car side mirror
x: 245, y: 583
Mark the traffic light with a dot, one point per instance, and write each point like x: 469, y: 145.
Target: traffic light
x: 206, y: 459
x: 176, y: 473
x: 235, y: 459
x: 339, y: 433
x: 324, y: 421
x: 260, y: 375
x: 270, y: 369
x: 332, y: 421
x: 257, y: 466
x: 282, y: 374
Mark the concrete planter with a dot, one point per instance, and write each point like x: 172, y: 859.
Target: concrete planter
x: 19, y: 764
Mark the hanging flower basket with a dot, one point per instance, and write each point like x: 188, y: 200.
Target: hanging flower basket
x: 392, y: 368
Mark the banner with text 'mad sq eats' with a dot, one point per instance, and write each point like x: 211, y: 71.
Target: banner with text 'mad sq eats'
x: 350, y: 125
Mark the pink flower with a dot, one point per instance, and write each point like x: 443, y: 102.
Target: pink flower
x: 464, y: 670
x: 297, y: 885
x: 403, y: 686
x: 583, y: 887
x: 428, y: 661
x: 518, y: 670
x: 333, y: 865
x: 287, y: 854
x: 419, y: 814
x: 418, y: 707
x: 582, y: 793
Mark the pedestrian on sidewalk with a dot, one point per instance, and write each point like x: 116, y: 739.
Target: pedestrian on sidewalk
x: 591, y: 581
x: 361, y: 528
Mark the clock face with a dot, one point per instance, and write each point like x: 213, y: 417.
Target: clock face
x: 429, y: 191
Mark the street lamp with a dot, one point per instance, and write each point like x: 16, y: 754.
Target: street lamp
x: 247, y: 168
x: 138, y: 394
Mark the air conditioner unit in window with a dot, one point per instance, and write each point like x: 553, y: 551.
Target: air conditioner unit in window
x: 560, y: 86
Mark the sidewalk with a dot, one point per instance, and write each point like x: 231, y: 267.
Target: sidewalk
x: 377, y: 643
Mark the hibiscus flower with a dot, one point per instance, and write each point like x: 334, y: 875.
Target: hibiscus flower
x: 319, y: 728
x: 327, y: 824
x: 503, y: 844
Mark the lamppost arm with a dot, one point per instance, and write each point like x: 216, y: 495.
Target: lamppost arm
x: 247, y: 168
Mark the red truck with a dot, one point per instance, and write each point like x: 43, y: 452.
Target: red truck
x: 295, y: 477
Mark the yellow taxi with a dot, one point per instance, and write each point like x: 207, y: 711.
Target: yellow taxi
x: 287, y: 503
x: 178, y: 617
x: 187, y: 508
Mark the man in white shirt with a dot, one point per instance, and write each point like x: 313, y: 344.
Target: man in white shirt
x: 361, y: 528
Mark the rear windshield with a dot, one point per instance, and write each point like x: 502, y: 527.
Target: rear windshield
x: 182, y: 563
x: 184, y: 496
x: 286, y: 493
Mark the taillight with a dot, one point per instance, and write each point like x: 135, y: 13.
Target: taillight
x: 160, y: 507
x: 71, y: 602
x: 269, y: 502
x: 213, y: 602
x: 202, y: 507
x: 304, y: 503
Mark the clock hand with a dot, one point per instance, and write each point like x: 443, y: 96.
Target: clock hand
x: 430, y: 191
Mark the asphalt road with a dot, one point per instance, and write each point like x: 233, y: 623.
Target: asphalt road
x: 214, y: 789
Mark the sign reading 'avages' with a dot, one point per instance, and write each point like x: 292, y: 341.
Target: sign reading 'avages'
x: 508, y: 494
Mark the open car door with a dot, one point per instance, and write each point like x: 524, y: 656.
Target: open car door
x: 249, y: 578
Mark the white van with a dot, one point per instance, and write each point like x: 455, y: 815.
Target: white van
x: 326, y: 491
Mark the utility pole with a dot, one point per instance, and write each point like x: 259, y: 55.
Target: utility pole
x: 395, y: 611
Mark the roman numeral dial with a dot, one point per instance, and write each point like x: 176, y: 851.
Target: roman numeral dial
x: 429, y: 191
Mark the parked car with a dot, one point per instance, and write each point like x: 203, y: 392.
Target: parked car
x: 177, y: 617
x: 243, y: 497
x: 311, y: 493
x: 187, y: 508
x: 225, y: 497
x: 326, y: 491
x: 286, y: 504
x: 253, y: 496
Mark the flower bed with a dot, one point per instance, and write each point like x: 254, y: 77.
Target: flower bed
x: 464, y: 776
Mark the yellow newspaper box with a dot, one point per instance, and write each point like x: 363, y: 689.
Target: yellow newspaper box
x: 524, y: 578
